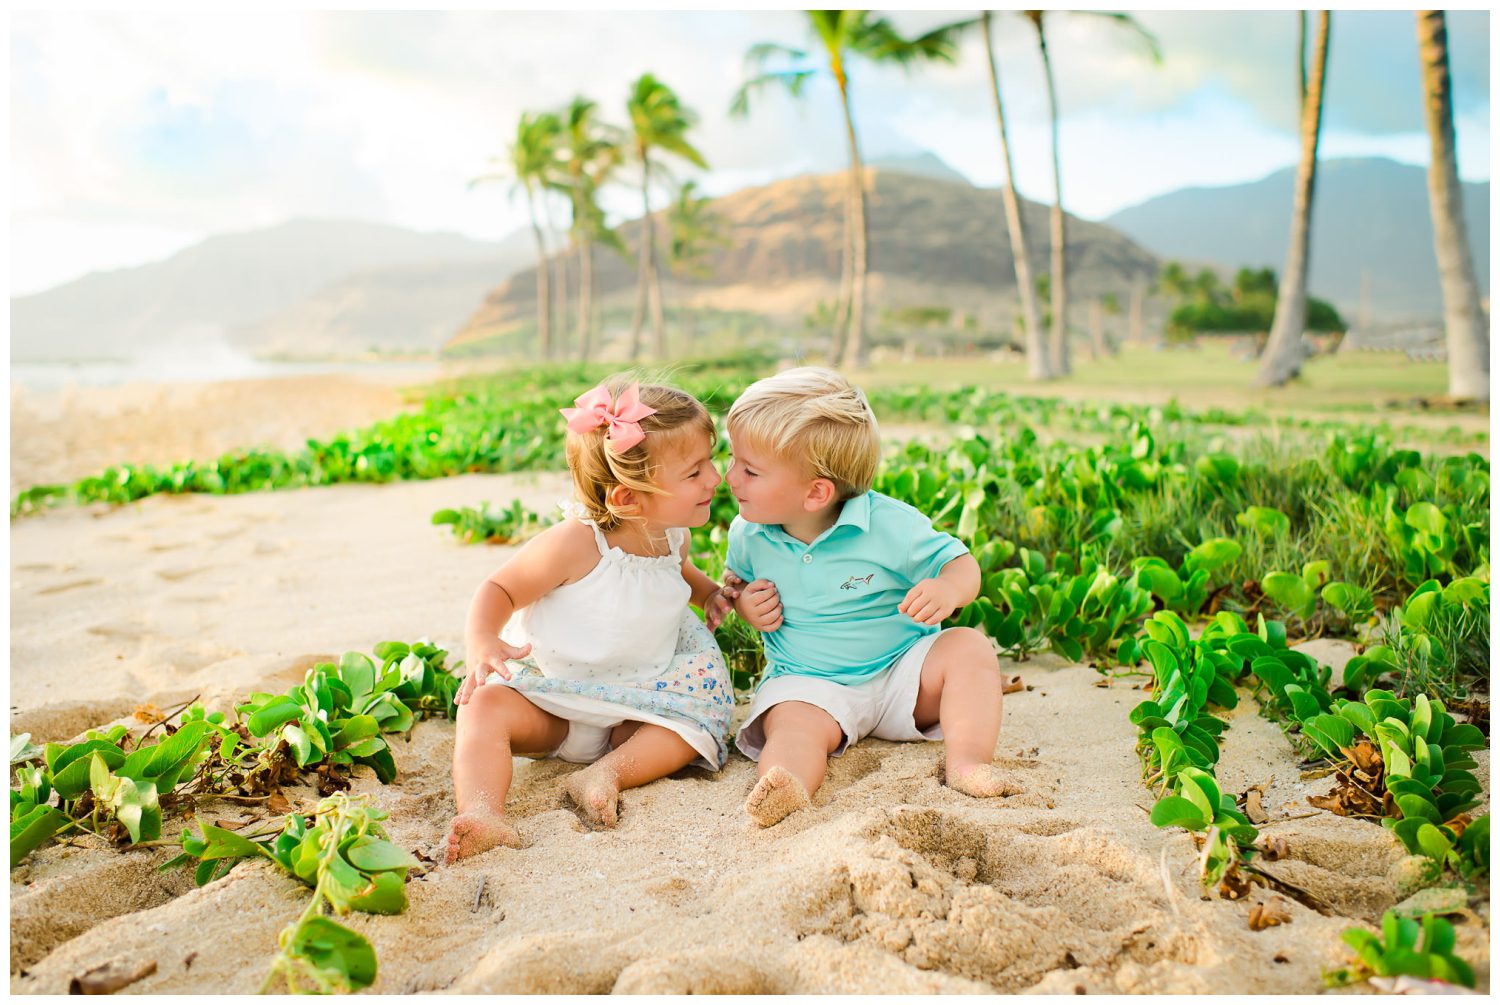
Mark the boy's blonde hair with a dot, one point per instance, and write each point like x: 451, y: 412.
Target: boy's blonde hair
x: 813, y: 417
x: 596, y: 467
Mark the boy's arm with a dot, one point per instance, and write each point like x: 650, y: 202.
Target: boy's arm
x: 933, y: 600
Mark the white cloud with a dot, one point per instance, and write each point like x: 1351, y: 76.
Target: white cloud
x: 187, y: 123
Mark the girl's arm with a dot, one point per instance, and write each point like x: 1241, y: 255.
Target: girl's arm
x: 715, y: 601
x: 558, y: 555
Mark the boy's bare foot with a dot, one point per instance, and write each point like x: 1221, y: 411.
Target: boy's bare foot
x: 477, y: 831
x: 1011, y: 683
x: 597, y: 794
x: 776, y: 795
x: 981, y: 781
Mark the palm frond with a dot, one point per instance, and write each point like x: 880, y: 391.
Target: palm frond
x: 793, y: 80
x: 1126, y: 21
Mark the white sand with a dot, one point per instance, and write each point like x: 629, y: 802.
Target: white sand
x: 891, y: 882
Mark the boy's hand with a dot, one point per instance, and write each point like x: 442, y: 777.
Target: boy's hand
x: 930, y: 601
x: 760, y: 606
x: 489, y: 657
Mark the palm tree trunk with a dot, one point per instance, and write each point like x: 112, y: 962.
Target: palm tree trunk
x: 846, y: 276
x: 643, y: 274
x: 585, y: 298
x: 543, y: 300
x: 1138, y: 313
x: 1060, y: 362
x: 1282, y: 358
x: 560, y: 264
x: 1037, y: 364
x: 1463, y: 318
x: 658, y: 328
x: 1100, y: 344
x: 855, y: 352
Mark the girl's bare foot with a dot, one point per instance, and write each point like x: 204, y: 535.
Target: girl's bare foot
x: 981, y: 781
x: 1011, y: 683
x: 776, y: 795
x: 477, y: 831
x: 597, y: 794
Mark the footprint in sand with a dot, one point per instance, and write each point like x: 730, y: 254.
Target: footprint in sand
x: 76, y: 584
x: 173, y: 575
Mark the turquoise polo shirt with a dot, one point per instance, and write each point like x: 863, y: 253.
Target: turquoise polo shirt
x: 839, y: 594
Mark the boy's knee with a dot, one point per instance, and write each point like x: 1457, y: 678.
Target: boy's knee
x: 803, y: 718
x: 972, y: 647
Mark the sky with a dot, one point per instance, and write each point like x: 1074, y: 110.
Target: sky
x: 135, y: 134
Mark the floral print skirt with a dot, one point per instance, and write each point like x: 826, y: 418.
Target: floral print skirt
x: 690, y: 696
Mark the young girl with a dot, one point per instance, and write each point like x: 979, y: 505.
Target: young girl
x: 602, y: 663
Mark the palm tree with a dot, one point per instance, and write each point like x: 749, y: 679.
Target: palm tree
x: 590, y: 153
x: 529, y: 165
x: 692, y: 228
x: 1468, y: 336
x: 1038, y: 19
x: 659, y: 124
x: 842, y: 34
x: 1282, y: 358
x: 1038, y: 366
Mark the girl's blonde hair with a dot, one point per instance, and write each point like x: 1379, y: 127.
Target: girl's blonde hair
x: 811, y: 416
x: 597, y: 468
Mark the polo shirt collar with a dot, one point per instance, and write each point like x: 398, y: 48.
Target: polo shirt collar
x: 855, y: 513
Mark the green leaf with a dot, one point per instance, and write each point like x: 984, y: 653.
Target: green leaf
x: 1414, y: 807
x: 1264, y: 520
x: 1433, y: 842
x: 1175, y: 811
x: 1292, y: 592
x: 370, y: 854
x: 356, y: 670
x: 331, y: 947
x: 32, y: 830
x: 273, y: 714
x: 1213, y: 553
x: 1466, y: 591
x: 1424, y: 516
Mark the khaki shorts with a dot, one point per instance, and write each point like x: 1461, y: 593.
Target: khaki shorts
x: 882, y: 706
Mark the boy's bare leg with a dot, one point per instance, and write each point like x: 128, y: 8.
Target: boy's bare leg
x: 799, y: 738
x: 961, y: 691
x: 496, y: 723
x: 643, y: 753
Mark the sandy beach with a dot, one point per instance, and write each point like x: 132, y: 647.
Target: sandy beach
x: 890, y: 883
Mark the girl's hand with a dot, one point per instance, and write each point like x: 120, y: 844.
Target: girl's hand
x: 720, y: 603
x: 481, y: 662
x: 760, y: 606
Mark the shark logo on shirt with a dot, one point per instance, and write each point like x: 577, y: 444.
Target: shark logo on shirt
x: 855, y: 582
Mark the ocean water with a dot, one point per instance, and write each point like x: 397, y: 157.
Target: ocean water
x: 183, y: 364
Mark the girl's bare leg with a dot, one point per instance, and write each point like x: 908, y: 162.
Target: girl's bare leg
x: 643, y: 752
x: 496, y: 723
x: 799, y: 738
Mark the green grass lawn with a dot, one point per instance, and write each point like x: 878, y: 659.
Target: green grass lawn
x: 1201, y: 376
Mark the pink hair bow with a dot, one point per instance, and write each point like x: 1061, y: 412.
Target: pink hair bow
x: 623, y: 416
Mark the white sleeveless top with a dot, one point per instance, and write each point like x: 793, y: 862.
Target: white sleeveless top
x: 619, y: 623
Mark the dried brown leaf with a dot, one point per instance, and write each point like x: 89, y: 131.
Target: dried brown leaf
x: 278, y: 803
x: 147, y: 713
x: 109, y: 977
x: 1270, y: 913
x: 1274, y: 848
x: 1253, y: 808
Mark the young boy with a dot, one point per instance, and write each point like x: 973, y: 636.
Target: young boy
x: 848, y: 587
